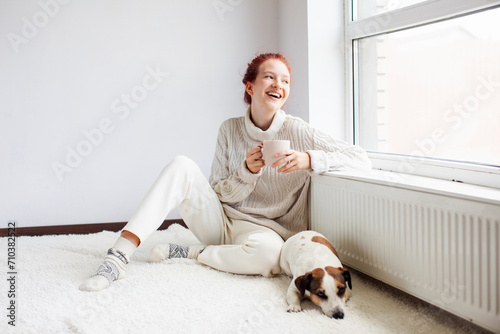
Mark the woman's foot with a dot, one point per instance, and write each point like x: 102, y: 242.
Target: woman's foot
x: 112, y: 269
x: 172, y: 251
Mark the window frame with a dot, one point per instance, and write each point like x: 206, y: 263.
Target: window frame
x: 416, y: 15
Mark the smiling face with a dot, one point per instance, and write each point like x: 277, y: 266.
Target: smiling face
x: 271, y: 87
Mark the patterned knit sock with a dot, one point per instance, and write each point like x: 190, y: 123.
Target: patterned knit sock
x: 113, y: 267
x: 172, y: 251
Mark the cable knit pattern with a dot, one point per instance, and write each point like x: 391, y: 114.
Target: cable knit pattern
x: 277, y: 201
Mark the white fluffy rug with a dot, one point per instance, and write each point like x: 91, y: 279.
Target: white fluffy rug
x: 181, y: 296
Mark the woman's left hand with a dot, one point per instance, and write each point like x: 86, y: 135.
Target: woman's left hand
x: 292, y: 160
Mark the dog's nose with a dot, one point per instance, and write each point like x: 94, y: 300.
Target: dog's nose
x: 338, y: 314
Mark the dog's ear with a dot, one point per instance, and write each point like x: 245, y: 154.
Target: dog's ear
x: 347, y: 277
x: 303, y: 282
x: 337, y: 272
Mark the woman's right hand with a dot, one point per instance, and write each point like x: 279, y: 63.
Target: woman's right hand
x: 254, y: 160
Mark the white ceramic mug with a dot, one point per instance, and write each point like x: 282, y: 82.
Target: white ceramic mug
x: 271, y: 148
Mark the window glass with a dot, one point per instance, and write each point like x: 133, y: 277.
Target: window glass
x: 433, y: 90
x: 367, y: 8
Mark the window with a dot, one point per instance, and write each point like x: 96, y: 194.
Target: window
x: 425, y: 78
x: 367, y: 8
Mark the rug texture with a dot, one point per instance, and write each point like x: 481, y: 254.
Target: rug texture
x: 182, y: 296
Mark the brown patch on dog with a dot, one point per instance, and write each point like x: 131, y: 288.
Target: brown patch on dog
x: 325, y: 242
x: 311, y: 281
x: 315, y: 299
x: 318, y: 273
x: 302, y: 237
x: 317, y: 286
x: 341, y: 276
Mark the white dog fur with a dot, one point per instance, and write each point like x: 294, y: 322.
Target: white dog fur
x: 317, y: 274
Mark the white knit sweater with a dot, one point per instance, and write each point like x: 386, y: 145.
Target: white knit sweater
x: 278, y: 201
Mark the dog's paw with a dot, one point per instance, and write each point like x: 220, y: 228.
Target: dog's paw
x: 294, y: 308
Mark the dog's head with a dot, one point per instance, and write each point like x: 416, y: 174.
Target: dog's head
x: 327, y: 288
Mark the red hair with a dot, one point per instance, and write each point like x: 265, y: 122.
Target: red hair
x: 253, y: 70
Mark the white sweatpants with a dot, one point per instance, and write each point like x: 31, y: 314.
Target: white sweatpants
x: 233, y: 246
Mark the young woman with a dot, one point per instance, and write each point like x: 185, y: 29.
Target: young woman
x: 245, y: 212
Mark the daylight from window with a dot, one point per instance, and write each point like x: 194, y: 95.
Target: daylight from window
x: 432, y: 90
x: 367, y: 8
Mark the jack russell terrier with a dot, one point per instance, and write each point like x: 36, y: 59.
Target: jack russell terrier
x: 317, y: 274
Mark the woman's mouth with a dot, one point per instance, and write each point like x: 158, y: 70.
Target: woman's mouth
x: 275, y: 95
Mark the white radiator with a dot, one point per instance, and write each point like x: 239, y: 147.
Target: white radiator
x: 439, y: 248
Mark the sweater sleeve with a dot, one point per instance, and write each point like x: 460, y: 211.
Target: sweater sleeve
x: 336, y: 155
x: 230, y: 187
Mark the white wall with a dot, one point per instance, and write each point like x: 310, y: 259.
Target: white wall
x: 67, y: 70
x: 294, y: 45
x: 312, y: 37
x: 326, y: 66
x: 75, y: 76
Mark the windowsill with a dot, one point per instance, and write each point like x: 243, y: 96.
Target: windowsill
x: 423, y: 184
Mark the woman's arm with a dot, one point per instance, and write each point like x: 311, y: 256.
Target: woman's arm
x: 230, y: 187
x: 331, y: 154
x: 322, y: 152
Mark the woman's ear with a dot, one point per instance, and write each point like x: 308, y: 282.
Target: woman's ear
x: 248, y: 88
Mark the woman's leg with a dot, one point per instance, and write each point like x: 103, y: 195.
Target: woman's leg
x: 251, y: 250
x: 254, y: 250
x: 181, y: 184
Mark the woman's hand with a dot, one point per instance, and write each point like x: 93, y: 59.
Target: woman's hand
x: 293, y: 161
x: 254, y: 160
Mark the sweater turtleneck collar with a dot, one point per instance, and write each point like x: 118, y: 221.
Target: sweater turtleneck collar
x: 257, y: 134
